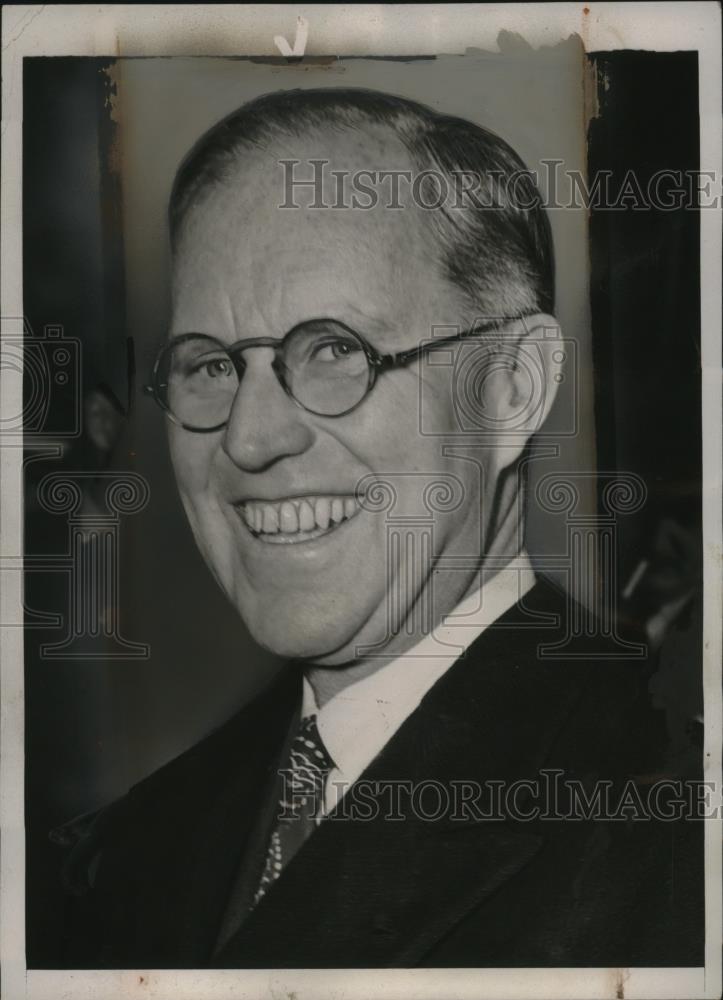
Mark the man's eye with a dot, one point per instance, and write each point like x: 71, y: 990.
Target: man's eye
x: 216, y: 368
x: 334, y: 350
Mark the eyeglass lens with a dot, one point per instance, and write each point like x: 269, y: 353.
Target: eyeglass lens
x: 325, y: 368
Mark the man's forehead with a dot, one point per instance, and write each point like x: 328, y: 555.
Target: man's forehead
x: 242, y: 231
x: 262, y: 179
x: 239, y: 244
x: 268, y: 285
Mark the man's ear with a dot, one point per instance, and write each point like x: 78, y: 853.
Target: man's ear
x: 528, y: 360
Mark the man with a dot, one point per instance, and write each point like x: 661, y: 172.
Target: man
x: 324, y: 350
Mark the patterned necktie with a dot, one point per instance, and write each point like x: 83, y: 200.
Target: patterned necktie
x: 301, y: 800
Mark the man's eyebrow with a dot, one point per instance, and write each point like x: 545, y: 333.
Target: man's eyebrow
x: 183, y: 334
x: 378, y: 334
x: 346, y: 317
x: 370, y: 321
x: 325, y: 321
x: 352, y: 318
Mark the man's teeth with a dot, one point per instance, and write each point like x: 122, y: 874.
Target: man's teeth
x: 304, y: 514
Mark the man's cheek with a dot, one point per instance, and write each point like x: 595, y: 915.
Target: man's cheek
x: 192, y: 466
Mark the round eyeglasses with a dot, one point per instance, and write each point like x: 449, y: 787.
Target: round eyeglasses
x: 322, y: 365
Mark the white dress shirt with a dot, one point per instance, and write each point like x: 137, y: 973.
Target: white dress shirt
x: 359, y: 721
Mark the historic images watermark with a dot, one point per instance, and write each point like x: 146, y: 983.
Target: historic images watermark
x: 549, y: 796
x: 551, y: 187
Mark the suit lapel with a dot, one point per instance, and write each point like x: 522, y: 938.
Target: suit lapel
x: 381, y: 891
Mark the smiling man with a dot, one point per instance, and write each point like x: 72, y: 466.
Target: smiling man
x: 319, y: 349
x: 273, y: 496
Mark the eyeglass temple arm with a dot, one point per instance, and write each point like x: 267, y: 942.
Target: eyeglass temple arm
x: 385, y: 361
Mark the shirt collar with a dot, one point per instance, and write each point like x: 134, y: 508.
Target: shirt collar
x: 358, y: 721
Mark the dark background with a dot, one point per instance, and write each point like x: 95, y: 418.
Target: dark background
x: 645, y: 291
x: 82, y: 716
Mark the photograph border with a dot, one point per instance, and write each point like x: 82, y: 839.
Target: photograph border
x: 121, y: 30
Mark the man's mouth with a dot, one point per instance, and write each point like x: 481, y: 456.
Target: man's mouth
x: 297, y: 519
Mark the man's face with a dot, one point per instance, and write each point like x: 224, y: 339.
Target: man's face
x: 246, y: 268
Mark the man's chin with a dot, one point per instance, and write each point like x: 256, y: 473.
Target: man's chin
x: 302, y: 644
x: 315, y: 641
x: 322, y: 623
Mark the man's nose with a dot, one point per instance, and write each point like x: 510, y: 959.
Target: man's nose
x: 264, y: 425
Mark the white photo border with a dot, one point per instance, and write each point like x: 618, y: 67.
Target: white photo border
x: 118, y: 30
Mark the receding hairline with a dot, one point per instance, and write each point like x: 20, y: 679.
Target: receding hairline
x: 342, y: 110
x: 497, y: 257
x: 250, y: 157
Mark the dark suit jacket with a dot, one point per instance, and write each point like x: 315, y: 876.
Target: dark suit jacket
x: 450, y: 891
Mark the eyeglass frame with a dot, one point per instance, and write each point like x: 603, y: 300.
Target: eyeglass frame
x: 377, y: 363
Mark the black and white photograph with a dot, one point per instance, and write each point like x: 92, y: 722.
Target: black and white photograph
x: 361, y: 501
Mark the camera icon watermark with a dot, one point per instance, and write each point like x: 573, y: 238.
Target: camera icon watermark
x: 477, y: 360
x: 41, y: 378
